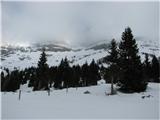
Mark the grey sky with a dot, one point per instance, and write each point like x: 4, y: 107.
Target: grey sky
x: 77, y: 23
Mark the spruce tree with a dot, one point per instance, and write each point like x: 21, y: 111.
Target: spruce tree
x: 7, y: 81
x: 93, y: 73
x: 76, y: 76
x: 2, y: 80
x: 155, y: 69
x: 130, y: 64
x: 85, y: 74
x: 42, y: 82
x: 66, y: 73
x: 52, y: 75
x: 112, y: 59
x: 59, y: 76
x: 147, y: 68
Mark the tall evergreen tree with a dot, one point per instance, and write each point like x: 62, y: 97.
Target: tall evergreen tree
x: 94, y: 74
x: 112, y: 59
x: 42, y: 82
x: 147, y: 68
x: 130, y: 64
x: 63, y: 79
x: 155, y: 69
x: 76, y: 76
x: 6, y: 82
x: 52, y: 75
x: 67, y: 74
x: 59, y: 76
x: 85, y: 74
x: 2, y: 80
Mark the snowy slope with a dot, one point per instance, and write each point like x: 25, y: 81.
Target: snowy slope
x: 76, y: 104
x: 27, y: 57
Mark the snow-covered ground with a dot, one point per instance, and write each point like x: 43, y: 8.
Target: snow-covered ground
x: 76, y: 104
x: 23, y: 60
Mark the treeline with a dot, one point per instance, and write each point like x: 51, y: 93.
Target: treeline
x: 125, y: 69
x: 44, y: 77
x: 150, y: 70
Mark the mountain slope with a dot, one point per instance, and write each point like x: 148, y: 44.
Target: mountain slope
x: 22, y: 57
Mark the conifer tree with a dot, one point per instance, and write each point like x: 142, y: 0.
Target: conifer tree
x: 76, y: 75
x: 85, y: 74
x: 2, y: 80
x: 112, y: 59
x: 93, y: 73
x: 59, y: 77
x: 42, y: 82
x: 7, y: 81
x: 147, y: 68
x: 66, y: 73
x: 52, y: 75
x: 63, y: 75
x: 155, y: 69
x: 130, y: 64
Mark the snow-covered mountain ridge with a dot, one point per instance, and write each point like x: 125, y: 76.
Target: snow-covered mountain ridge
x: 22, y: 57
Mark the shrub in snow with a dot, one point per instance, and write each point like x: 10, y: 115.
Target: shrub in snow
x: 87, y: 92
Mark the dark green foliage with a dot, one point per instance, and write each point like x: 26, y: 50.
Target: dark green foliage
x: 155, y: 69
x: 94, y: 74
x: 112, y: 72
x: 66, y: 73
x: 5, y: 81
x: 42, y: 78
x: 85, y: 74
x: 147, y: 68
x: 112, y: 58
x: 131, y: 78
x: 52, y: 76
x: 76, y: 74
x: 32, y: 76
x: 11, y: 82
x: 2, y: 80
x: 90, y: 74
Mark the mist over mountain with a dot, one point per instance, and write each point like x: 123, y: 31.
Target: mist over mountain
x: 76, y: 24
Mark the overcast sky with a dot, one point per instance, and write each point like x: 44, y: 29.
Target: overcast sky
x: 77, y: 23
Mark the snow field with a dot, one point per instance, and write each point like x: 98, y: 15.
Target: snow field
x: 77, y: 105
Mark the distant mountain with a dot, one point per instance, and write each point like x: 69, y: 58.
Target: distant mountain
x: 99, y: 45
x: 11, y: 49
x: 22, y: 57
x: 145, y: 46
x: 51, y: 47
x: 148, y: 47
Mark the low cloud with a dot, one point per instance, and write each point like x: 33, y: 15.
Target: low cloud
x: 77, y: 23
